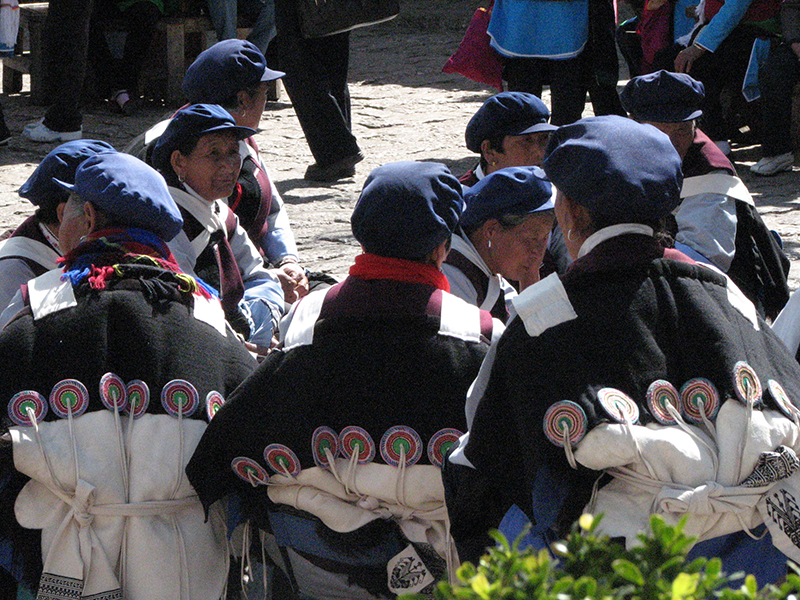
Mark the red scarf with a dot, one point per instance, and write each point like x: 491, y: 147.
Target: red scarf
x: 372, y: 266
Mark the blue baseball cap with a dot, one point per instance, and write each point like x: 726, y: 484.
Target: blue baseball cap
x: 224, y: 69
x: 60, y: 163
x: 507, y: 113
x: 406, y: 209
x: 663, y: 97
x: 194, y: 121
x: 128, y: 191
x: 621, y: 170
x: 510, y: 191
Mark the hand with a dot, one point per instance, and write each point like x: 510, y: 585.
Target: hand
x: 293, y: 281
x: 260, y: 351
x: 686, y: 58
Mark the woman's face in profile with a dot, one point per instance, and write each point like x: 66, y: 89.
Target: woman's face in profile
x: 212, y: 168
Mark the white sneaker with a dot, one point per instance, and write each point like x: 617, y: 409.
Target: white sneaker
x: 770, y: 165
x: 39, y: 132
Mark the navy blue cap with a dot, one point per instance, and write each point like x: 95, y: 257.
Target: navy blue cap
x: 225, y: 69
x: 510, y: 191
x: 621, y: 170
x: 194, y: 121
x: 407, y: 209
x: 663, y: 97
x: 60, y: 163
x: 129, y: 192
x: 507, y: 113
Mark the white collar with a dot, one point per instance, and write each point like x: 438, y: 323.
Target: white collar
x: 606, y: 233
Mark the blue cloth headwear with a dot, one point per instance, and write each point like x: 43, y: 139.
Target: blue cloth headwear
x: 510, y: 191
x: 193, y: 121
x: 224, y: 69
x: 663, y: 97
x: 129, y: 192
x: 407, y: 209
x: 621, y: 170
x: 507, y: 113
x: 60, y: 163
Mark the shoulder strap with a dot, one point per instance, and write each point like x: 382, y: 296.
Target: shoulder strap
x: 23, y: 247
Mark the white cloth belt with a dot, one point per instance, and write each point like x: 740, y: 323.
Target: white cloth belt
x: 710, y: 498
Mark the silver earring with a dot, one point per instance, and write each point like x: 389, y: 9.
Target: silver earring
x: 490, y: 244
x: 569, y: 235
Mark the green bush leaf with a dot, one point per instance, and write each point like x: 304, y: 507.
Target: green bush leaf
x: 628, y: 571
x: 684, y: 586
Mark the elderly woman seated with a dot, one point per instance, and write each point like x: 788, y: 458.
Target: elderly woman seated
x: 198, y: 154
x: 502, y: 236
x: 638, y: 382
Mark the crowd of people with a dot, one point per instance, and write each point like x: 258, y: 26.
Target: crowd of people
x: 582, y: 323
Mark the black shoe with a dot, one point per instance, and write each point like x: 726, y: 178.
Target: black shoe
x: 5, y: 135
x: 345, y: 167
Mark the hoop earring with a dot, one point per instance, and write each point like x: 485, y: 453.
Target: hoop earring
x: 569, y: 235
x: 489, y: 244
x: 181, y: 179
x: 243, y: 113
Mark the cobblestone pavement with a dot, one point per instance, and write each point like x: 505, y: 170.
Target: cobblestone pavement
x: 404, y: 108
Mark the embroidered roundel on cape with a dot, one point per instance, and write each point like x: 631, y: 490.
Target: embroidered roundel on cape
x: 700, y: 398
x: 214, y: 401
x: 401, y: 444
x: 440, y: 444
x: 249, y: 470
x: 69, y: 397
x: 282, y: 460
x: 180, y: 397
x: 27, y: 406
x: 746, y: 383
x: 356, y: 441
x: 660, y: 395
x: 781, y: 399
x: 324, y: 443
x: 565, y: 421
x: 618, y: 405
x: 138, y: 397
x: 113, y: 393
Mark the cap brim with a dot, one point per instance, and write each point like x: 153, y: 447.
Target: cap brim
x: 539, y: 127
x: 70, y: 187
x: 270, y: 75
x: 241, y: 132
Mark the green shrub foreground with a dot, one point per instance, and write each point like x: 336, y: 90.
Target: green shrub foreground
x: 589, y: 566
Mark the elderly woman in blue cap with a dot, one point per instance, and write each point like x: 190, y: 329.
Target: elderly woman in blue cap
x: 33, y: 247
x: 639, y: 364
x: 112, y: 373
x: 234, y: 74
x: 510, y: 129
x: 198, y: 154
x: 502, y: 237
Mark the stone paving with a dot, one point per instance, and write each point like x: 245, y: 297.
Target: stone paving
x: 404, y: 108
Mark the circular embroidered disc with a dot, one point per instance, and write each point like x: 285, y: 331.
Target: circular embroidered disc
x: 618, y: 405
x: 322, y: 439
x: 20, y: 403
x: 354, y: 439
x: 249, y: 470
x: 746, y: 383
x: 138, y: 397
x: 696, y: 392
x: 781, y: 398
x: 69, y: 396
x: 660, y: 394
x: 440, y: 444
x: 180, y: 396
x: 214, y: 402
x: 282, y: 460
x: 401, y: 440
x: 113, y: 392
x: 565, y: 417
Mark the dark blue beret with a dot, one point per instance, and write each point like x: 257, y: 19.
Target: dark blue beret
x: 225, y: 69
x: 507, y: 113
x: 511, y: 191
x: 194, y: 121
x: 407, y: 209
x: 60, y: 163
x: 621, y: 170
x: 663, y: 97
x: 129, y: 192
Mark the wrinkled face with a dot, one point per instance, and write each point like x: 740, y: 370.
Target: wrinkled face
x: 523, y: 150
x: 680, y: 134
x: 74, y: 224
x: 213, y: 166
x: 519, y: 250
